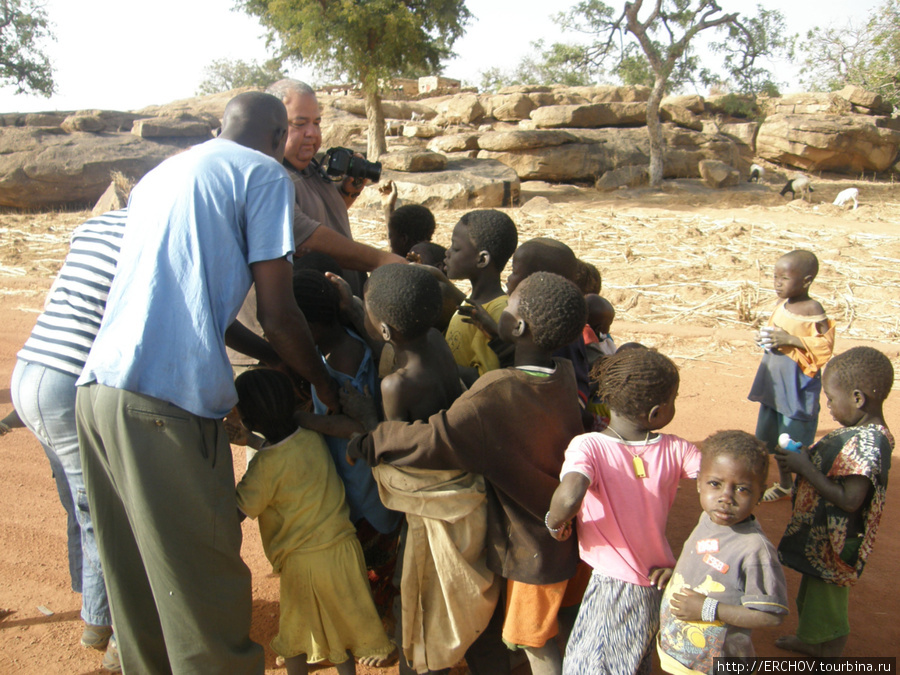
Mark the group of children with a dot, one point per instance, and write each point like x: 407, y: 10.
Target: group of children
x: 475, y: 430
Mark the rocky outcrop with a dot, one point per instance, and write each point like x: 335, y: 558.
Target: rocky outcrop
x: 596, y: 151
x: 413, y: 161
x: 627, y: 176
x: 41, y: 167
x: 718, y: 174
x: 400, y: 110
x: 590, y: 116
x: 501, y: 141
x: 841, y: 143
x: 454, y: 143
x: 463, y: 184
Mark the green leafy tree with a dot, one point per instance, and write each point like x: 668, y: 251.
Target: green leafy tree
x: 365, y: 41
x: 23, y: 27
x: 555, y: 65
x: 865, y: 54
x: 228, y: 74
x: 652, y: 43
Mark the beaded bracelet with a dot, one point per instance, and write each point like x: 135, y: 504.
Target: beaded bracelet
x: 547, y: 524
x: 708, y: 612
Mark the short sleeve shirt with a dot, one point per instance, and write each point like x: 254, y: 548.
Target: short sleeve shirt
x: 195, y: 224
x: 622, y: 520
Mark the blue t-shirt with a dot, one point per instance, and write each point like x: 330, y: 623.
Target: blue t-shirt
x: 195, y: 223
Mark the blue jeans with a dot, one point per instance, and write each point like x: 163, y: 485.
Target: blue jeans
x: 45, y: 401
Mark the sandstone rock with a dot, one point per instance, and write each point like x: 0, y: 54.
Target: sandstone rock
x: 100, y: 120
x: 47, y: 119
x: 171, y: 127
x: 463, y: 184
x: 741, y: 132
x: 627, y: 176
x: 413, y: 161
x: 205, y: 107
x: 462, y: 109
x: 871, y: 101
x: 500, y: 141
x: 112, y: 199
x: 41, y: 168
x: 454, y: 143
x: 808, y: 103
x: 680, y: 116
x: 842, y: 143
x: 590, y: 116
x: 420, y: 131
x: 526, y: 89
x: 86, y: 123
x: 510, y: 107
x: 692, y: 102
x: 718, y: 174
x: 537, y: 205
x: 401, y: 110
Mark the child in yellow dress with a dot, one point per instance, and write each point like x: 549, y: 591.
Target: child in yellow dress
x: 293, y: 488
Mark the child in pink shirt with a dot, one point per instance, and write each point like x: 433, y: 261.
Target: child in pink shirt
x: 621, y: 484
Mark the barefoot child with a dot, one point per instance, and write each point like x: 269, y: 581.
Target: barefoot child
x: 448, y: 593
x: 838, y: 500
x: 512, y: 427
x: 621, y: 484
x: 292, y: 487
x: 728, y: 579
x: 481, y: 244
x: 798, y: 341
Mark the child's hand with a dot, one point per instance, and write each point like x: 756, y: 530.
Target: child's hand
x: 388, y: 192
x: 563, y: 533
x: 344, y: 291
x: 793, y: 461
x: 476, y: 315
x: 660, y: 576
x: 779, y: 337
x: 360, y: 407
x: 687, y: 605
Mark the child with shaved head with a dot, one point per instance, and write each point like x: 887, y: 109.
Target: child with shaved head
x: 798, y: 341
x: 838, y: 500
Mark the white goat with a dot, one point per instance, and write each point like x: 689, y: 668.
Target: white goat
x: 798, y: 184
x: 756, y: 173
x: 845, y: 196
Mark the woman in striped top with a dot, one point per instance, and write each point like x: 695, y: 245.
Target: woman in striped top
x: 43, y: 393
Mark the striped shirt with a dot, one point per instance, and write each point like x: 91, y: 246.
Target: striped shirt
x: 65, y: 331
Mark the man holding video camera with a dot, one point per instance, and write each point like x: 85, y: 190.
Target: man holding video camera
x: 320, y: 213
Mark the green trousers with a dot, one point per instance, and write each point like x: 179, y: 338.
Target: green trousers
x: 160, y: 484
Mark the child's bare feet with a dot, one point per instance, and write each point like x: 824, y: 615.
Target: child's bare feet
x: 792, y: 643
x: 380, y: 661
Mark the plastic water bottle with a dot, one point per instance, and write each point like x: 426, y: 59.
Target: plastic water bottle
x: 785, y: 442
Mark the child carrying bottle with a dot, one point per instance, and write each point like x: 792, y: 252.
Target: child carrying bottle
x: 798, y: 341
x: 838, y: 500
x: 621, y: 483
x: 728, y: 579
x: 293, y: 488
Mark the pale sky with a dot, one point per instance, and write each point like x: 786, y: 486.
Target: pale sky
x: 117, y: 55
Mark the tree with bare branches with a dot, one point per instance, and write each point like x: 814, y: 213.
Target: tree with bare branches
x: 651, y: 43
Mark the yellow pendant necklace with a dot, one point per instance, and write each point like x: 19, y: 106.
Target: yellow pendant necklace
x: 639, y: 469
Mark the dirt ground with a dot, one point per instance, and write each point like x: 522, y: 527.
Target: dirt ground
x: 689, y: 271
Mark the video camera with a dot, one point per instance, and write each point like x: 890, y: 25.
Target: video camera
x: 341, y: 162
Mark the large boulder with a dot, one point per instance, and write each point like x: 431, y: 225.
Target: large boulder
x: 808, y: 103
x: 454, y: 143
x: 866, y: 102
x: 718, y: 174
x: 692, y: 102
x: 842, y: 143
x: 462, y: 109
x: 596, y: 151
x: 501, y: 141
x: 401, y: 110
x: 680, y: 116
x: 627, y: 176
x: 590, y: 116
x: 509, y: 107
x: 184, y: 126
x: 42, y: 168
x: 413, y: 160
x: 463, y: 184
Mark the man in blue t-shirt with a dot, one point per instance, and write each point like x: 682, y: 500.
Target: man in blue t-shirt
x: 202, y: 227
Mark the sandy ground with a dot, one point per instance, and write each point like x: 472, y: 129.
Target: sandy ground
x: 689, y: 270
